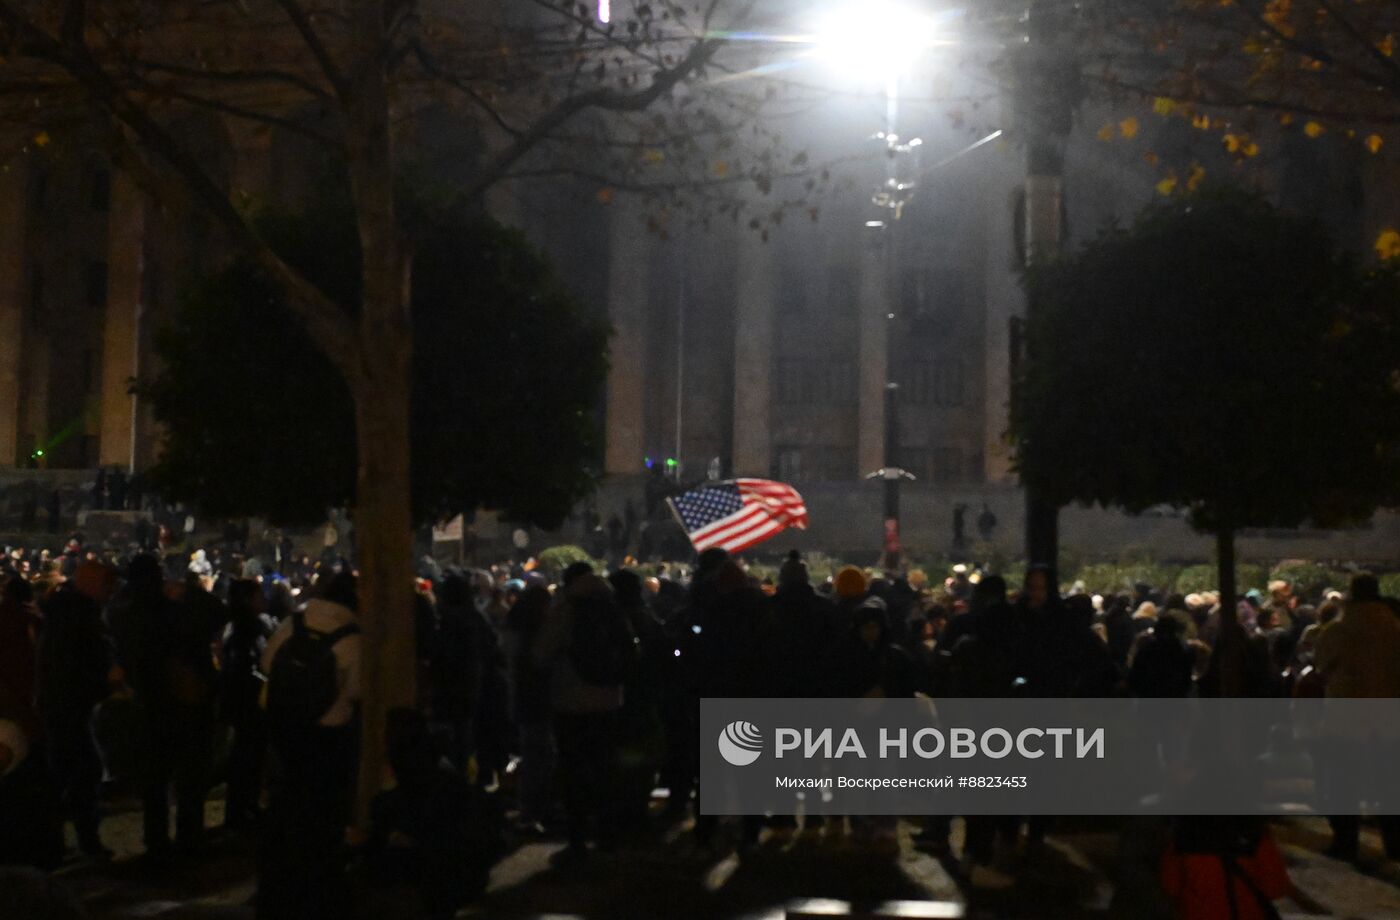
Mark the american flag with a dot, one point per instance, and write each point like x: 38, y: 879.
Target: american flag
x: 736, y: 515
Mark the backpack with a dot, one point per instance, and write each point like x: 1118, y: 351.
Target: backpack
x: 302, y: 686
x: 601, y: 647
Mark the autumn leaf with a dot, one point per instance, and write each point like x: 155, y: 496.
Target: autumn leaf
x: 652, y: 155
x: 1195, y: 177
x: 1167, y: 185
x: 1107, y: 132
x: 1386, y: 46
x: 1128, y: 127
x: 42, y: 139
x: 1163, y: 106
x: 1233, y: 142
x: 1388, y: 243
x: 1286, y: 119
x: 1374, y: 143
x: 1201, y: 122
x: 1150, y: 158
x: 1313, y: 129
x: 1250, y: 149
x: 605, y: 194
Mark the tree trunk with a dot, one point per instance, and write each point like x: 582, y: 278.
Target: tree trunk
x: 383, y: 526
x: 380, y: 385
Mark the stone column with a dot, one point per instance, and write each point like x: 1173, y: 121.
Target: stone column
x: 629, y: 277
x: 121, y: 330
x: 875, y: 307
x: 753, y: 355
x: 1004, y: 300
x: 14, y: 288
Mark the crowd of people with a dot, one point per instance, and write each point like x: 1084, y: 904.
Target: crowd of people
x: 572, y: 700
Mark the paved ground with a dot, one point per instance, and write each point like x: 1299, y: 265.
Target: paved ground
x: 664, y: 875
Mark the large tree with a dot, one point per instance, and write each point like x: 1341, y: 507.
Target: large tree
x: 535, y: 78
x: 1216, y: 355
x: 509, y: 369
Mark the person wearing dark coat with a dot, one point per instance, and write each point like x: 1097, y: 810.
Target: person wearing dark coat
x: 529, y: 705
x: 798, y: 638
x: 433, y: 833
x: 1161, y: 665
x: 455, y: 667
x: 870, y: 664
x: 164, y: 648
x: 719, y: 652
x: 73, y: 676
x: 241, y: 683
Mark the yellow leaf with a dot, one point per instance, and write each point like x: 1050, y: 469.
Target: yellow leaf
x: 1313, y: 129
x: 1250, y: 149
x: 1232, y: 143
x: 1374, y: 143
x: 1386, y: 45
x: 721, y: 168
x: 1167, y: 185
x: 1163, y: 106
x: 1195, y: 177
x: 1128, y: 127
x: 1286, y: 119
x: 1201, y: 122
x: 1106, y: 133
x: 1388, y: 243
x: 42, y: 139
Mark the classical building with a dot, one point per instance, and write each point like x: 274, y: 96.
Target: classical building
x: 732, y: 355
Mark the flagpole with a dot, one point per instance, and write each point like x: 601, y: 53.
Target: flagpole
x: 680, y: 363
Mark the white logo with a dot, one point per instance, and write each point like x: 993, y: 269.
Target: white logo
x: 740, y: 743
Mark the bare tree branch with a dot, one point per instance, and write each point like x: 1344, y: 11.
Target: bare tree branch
x: 322, y: 317
x: 603, y: 98
x: 307, y: 30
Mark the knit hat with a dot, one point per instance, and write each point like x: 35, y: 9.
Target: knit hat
x: 850, y: 582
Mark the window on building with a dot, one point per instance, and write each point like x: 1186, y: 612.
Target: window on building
x: 814, y: 463
x: 89, y: 370
x: 38, y: 190
x: 951, y: 388
x: 87, y: 447
x: 946, y: 465
x: 99, y: 188
x: 792, y: 287
x: 842, y: 290
x: 915, y: 381
x: 815, y: 382
x: 36, y: 295
x: 789, y: 466
x: 934, y: 300
x: 96, y: 284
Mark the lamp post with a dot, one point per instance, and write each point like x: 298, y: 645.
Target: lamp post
x: 882, y: 40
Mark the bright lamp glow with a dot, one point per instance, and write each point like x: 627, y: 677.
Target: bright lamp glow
x: 874, y: 39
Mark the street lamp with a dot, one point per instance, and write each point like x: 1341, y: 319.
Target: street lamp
x: 873, y: 39
x: 882, y: 40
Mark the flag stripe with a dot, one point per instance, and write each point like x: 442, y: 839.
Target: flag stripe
x: 739, y: 530
x: 738, y: 514
x: 755, y: 537
x: 724, y: 524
